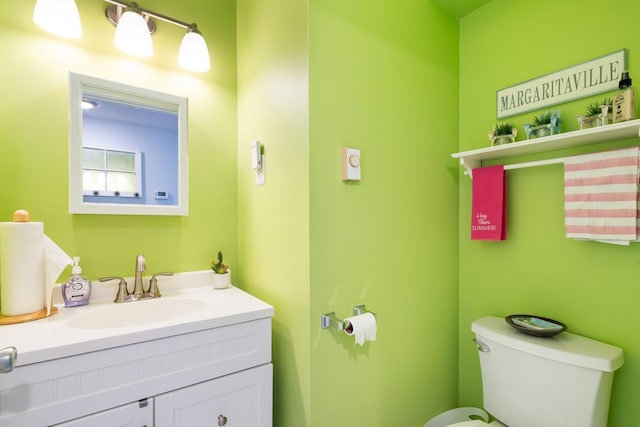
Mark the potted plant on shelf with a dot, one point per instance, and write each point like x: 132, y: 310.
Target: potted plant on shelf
x: 221, y: 273
x: 503, y: 133
x: 596, y: 114
x: 545, y: 124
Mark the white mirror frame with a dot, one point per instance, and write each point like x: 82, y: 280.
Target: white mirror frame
x: 78, y: 86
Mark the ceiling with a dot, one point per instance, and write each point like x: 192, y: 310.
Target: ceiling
x: 460, y: 8
x: 124, y: 112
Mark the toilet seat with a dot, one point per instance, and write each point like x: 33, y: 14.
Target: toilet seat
x: 459, y: 416
x: 477, y: 423
x: 474, y: 423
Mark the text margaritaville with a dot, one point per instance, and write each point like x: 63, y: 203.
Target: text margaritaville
x: 586, y: 79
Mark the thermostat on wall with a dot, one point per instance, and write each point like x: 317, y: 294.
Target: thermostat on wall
x: 160, y: 195
x: 350, y: 164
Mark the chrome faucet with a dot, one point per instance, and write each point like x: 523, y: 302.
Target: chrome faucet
x: 139, y: 293
x: 137, y: 284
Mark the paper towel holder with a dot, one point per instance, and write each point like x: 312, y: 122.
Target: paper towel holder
x: 329, y: 319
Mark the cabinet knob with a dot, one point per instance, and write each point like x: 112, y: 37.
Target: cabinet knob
x: 8, y: 358
x: 222, y: 420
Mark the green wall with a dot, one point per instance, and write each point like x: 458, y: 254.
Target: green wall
x: 314, y: 77
x: 383, y: 79
x: 34, y: 134
x: 274, y: 218
x: 305, y: 241
x: 589, y: 286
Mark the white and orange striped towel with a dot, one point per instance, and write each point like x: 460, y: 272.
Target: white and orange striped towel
x: 601, y: 196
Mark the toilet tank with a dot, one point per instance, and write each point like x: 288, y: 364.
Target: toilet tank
x: 559, y: 381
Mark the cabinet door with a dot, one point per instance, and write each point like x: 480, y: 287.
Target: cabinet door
x: 138, y: 414
x: 243, y: 399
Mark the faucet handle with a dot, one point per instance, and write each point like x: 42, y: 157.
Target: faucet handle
x: 123, y: 291
x: 153, y: 284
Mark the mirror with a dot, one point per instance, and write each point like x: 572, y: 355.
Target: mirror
x: 127, y: 149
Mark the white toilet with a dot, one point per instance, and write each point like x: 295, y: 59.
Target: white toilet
x: 527, y: 381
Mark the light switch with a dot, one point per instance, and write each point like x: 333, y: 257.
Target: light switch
x: 260, y: 172
x: 350, y: 164
x: 257, y: 161
x: 256, y: 158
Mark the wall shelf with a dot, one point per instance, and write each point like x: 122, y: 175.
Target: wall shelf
x: 619, y: 131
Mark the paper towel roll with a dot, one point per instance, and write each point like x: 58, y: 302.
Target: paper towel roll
x: 22, y: 267
x: 55, y: 261
x: 363, y: 326
x: 28, y: 263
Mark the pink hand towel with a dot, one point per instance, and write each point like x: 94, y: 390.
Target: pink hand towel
x: 489, y: 204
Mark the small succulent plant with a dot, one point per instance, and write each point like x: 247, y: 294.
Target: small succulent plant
x: 502, y: 129
x: 218, y: 266
x: 595, y: 108
x: 543, y: 119
x: 503, y: 133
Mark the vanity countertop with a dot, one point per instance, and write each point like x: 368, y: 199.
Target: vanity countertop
x: 188, y: 304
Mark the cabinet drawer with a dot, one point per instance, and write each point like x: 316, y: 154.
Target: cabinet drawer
x: 138, y: 414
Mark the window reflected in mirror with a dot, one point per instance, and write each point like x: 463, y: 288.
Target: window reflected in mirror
x: 108, y: 173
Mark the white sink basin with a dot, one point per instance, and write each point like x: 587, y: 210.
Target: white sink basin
x: 121, y: 315
x: 188, y: 304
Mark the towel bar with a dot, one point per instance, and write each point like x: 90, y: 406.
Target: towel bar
x: 556, y: 161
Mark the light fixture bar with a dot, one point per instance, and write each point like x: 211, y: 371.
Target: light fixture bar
x: 152, y: 14
x: 115, y: 11
x: 134, y: 26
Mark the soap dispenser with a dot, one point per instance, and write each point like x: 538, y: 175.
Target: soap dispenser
x: 624, y: 103
x: 77, y: 289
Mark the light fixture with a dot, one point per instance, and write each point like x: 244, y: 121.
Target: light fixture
x: 59, y: 17
x: 134, y: 27
x: 193, y: 54
x: 132, y: 33
x: 88, y: 105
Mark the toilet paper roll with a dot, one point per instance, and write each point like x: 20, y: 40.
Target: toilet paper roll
x: 362, y: 326
x: 30, y: 263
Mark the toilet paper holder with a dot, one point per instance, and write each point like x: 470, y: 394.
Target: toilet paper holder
x: 329, y: 319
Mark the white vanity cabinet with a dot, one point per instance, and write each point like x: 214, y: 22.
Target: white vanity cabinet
x: 240, y: 399
x: 207, y: 368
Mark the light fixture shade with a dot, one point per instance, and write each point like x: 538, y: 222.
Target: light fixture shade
x: 59, y: 17
x: 194, y: 55
x: 133, y: 36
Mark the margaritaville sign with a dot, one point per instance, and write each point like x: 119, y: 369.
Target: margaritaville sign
x: 588, y: 78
